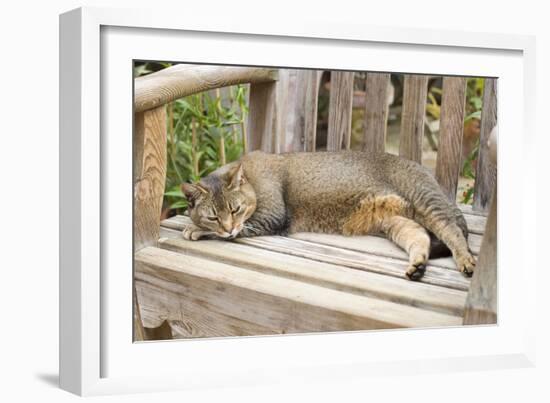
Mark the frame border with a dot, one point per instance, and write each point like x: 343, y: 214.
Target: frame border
x: 80, y: 162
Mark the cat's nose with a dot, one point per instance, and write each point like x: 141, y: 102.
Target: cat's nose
x: 227, y: 226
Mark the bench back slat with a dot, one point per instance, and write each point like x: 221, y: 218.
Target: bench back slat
x: 339, y: 113
x: 260, y: 132
x: 450, y: 135
x: 376, y: 112
x: 413, y: 117
x: 296, y: 109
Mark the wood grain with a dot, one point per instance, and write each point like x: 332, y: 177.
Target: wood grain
x: 362, y: 261
x: 261, y: 118
x: 369, y: 253
x: 178, y: 81
x: 370, y: 244
x: 413, y: 117
x: 296, y: 109
x: 280, y: 304
x: 450, y: 138
x: 139, y: 332
x: 149, y: 174
x: 376, y: 112
x: 486, y: 171
x: 467, y: 209
x: 285, y: 110
x: 481, y: 304
x: 312, y: 81
x: 341, y: 278
x: 339, y: 113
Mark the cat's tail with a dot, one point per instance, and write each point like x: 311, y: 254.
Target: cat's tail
x: 438, y: 248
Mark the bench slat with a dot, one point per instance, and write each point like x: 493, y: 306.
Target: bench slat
x: 279, y: 304
x: 340, y: 278
x: 361, y: 261
x: 367, y: 244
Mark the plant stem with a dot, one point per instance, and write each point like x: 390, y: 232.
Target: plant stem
x: 194, y: 148
x: 222, y: 134
x: 234, y: 134
x: 222, y: 149
x: 243, y: 130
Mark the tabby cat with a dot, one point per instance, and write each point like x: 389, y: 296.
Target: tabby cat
x: 347, y: 192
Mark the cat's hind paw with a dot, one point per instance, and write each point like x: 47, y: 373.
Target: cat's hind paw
x: 415, y: 271
x: 466, y: 264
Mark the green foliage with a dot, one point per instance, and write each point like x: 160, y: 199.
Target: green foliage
x: 144, y: 68
x: 468, y: 166
x: 204, y: 132
x: 474, y: 94
x: 469, y: 172
x: 474, y: 103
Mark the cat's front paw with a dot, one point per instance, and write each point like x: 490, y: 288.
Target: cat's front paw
x: 193, y: 233
x: 466, y: 263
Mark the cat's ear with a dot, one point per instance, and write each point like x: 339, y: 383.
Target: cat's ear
x: 236, y: 178
x: 192, y: 192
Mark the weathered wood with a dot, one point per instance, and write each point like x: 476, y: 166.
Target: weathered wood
x: 481, y: 304
x: 261, y: 117
x: 476, y: 223
x: 467, y: 209
x: 296, y: 109
x: 447, y: 167
x: 161, y: 332
x: 413, y: 117
x: 486, y: 171
x: 381, y: 257
x: 366, y: 243
x: 178, y: 81
x: 376, y: 112
x: 312, y: 83
x: 280, y: 304
x: 371, y: 244
x: 377, y: 245
x: 285, y: 110
x: 389, y: 288
x: 339, y: 113
x: 139, y: 332
x: 368, y: 253
x: 149, y: 174
x: 208, y: 324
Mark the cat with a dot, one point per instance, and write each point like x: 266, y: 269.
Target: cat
x: 345, y: 192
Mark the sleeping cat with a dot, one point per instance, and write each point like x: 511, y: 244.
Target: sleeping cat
x: 346, y: 192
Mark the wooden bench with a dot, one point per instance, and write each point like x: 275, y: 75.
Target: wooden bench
x: 305, y: 282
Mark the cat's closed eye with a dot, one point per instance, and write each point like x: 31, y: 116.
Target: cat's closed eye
x: 236, y: 210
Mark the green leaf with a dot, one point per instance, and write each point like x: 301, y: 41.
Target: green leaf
x: 174, y: 193
x: 179, y: 204
x: 473, y: 115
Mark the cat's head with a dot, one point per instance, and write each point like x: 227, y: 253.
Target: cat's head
x: 221, y: 203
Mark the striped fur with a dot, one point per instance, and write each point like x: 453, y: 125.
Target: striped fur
x: 348, y: 192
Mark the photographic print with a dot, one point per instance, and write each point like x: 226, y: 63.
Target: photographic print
x: 273, y: 201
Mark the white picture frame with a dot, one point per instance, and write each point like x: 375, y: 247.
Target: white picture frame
x: 96, y: 354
